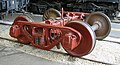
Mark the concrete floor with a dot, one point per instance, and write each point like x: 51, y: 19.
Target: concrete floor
x: 11, y: 56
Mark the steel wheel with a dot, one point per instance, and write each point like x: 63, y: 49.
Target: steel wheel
x: 22, y: 38
x: 51, y: 13
x: 88, y: 39
x: 105, y: 28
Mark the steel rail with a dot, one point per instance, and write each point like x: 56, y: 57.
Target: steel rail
x: 6, y: 22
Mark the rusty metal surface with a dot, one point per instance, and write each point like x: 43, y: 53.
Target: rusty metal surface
x: 51, y: 13
x: 104, y: 24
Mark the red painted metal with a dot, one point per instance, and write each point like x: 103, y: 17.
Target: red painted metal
x: 87, y: 42
x: 16, y: 30
x: 66, y: 17
x: 41, y: 35
x: 46, y: 36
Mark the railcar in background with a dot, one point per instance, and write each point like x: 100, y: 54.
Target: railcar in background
x: 109, y: 7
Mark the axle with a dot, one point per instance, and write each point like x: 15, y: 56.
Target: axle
x: 100, y: 23
x: 77, y: 37
x: 96, y: 26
